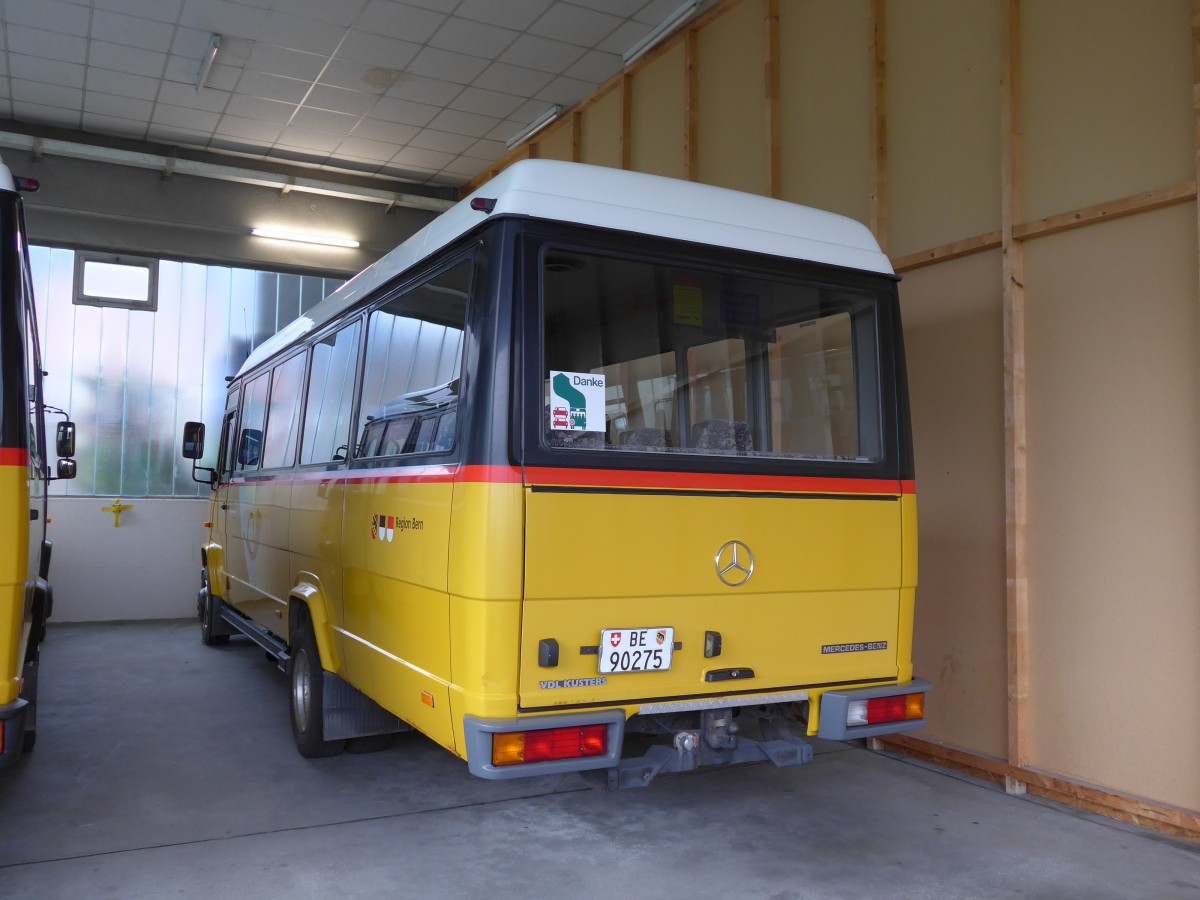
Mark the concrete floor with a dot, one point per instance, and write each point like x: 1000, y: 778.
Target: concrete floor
x: 166, y: 769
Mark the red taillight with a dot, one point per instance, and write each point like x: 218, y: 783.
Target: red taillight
x: 548, y: 744
x: 885, y: 709
x: 880, y: 710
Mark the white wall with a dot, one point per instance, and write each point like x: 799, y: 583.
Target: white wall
x: 149, y: 568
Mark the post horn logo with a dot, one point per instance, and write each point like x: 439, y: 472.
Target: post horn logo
x: 735, y: 563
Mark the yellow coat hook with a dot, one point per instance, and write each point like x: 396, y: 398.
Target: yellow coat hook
x: 116, y: 509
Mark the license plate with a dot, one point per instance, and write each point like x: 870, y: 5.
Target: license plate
x: 636, y: 650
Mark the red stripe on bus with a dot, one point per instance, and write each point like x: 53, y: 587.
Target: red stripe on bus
x: 706, y: 481
x: 602, y: 478
x: 489, y: 475
x: 13, y: 456
x: 444, y: 474
x: 407, y: 475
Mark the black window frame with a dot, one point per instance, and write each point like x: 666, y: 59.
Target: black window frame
x: 528, y: 446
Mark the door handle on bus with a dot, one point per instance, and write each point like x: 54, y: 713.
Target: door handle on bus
x: 33, y: 514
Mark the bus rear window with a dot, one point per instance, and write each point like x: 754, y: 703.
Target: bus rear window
x: 647, y: 356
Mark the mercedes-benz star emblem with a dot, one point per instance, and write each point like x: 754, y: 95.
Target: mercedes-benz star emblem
x: 735, y: 563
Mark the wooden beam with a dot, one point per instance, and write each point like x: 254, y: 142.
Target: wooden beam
x: 1114, y: 209
x: 691, y: 54
x: 1196, y: 99
x: 627, y: 121
x: 1028, y: 231
x: 946, y: 252
x: 576, y: 136
x: 774, y: 104
x: 1015, y: 428
x: 878, y: 178
x: 1160, y: 817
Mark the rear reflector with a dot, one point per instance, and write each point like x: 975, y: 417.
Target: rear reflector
x: 901, y: 708
x: 548, y: 744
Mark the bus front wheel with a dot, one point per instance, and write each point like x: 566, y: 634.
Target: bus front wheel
x: 308, y: 686
x: 208, y: 611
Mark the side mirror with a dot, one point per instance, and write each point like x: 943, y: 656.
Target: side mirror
x: 67, y: 468
x: 193, y: 449
x: 193, y: 440
x: 64, y: 439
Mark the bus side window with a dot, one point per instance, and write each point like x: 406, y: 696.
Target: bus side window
x: 254, y: 414
x: 396, y: 440
x: 444, y: 440
x: 283, y: 417
x: 414, y: 359
x: 330, y: 392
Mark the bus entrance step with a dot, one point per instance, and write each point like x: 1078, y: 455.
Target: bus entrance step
x: 275, y: 647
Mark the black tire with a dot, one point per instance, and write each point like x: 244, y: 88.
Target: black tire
x: 372, y: 743
x: 207, y: 608
x: 308, y: 689
x: 28, y: 740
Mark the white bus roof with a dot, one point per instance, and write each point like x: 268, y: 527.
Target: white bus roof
x: 623, y: 201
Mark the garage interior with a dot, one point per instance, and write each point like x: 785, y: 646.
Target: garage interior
x: 1030, y: 166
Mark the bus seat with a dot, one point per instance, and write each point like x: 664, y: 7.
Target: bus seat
x: 644, y: 438
x: 580, y: 440
x: 726, y: 435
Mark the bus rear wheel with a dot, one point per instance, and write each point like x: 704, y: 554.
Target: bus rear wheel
x: 207, y: 609
x: 308, y: 683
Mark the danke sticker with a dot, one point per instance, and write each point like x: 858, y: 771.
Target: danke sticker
x: 576, y: 401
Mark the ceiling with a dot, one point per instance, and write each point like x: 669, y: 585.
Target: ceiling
x: 422, y: 91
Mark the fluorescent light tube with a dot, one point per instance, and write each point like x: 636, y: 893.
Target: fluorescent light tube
x: 210, y: 57
x: 661, y: 30
x: 535, y: 126
x: 327, y: 240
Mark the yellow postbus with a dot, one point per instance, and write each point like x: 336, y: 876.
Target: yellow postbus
x: 26, y: 598
x: 598, y: 471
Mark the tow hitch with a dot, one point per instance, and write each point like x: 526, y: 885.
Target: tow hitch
x: 718, y: 742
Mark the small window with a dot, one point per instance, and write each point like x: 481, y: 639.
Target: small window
x: 125, y: 282
x: 283, y: 413
x: 254, y: 412
x: 330, y: 393
x: 228, y: 435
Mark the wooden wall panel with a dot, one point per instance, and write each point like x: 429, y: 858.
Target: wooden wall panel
x: 943, y: 115
x: 1107, y: 100
x: 731, y: 100
x: 825, y: 71
x: 557, y: 142
x: 659, y: 116
x: 601, y: 137
x: 952, y: 329
x: 1114, y: 476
